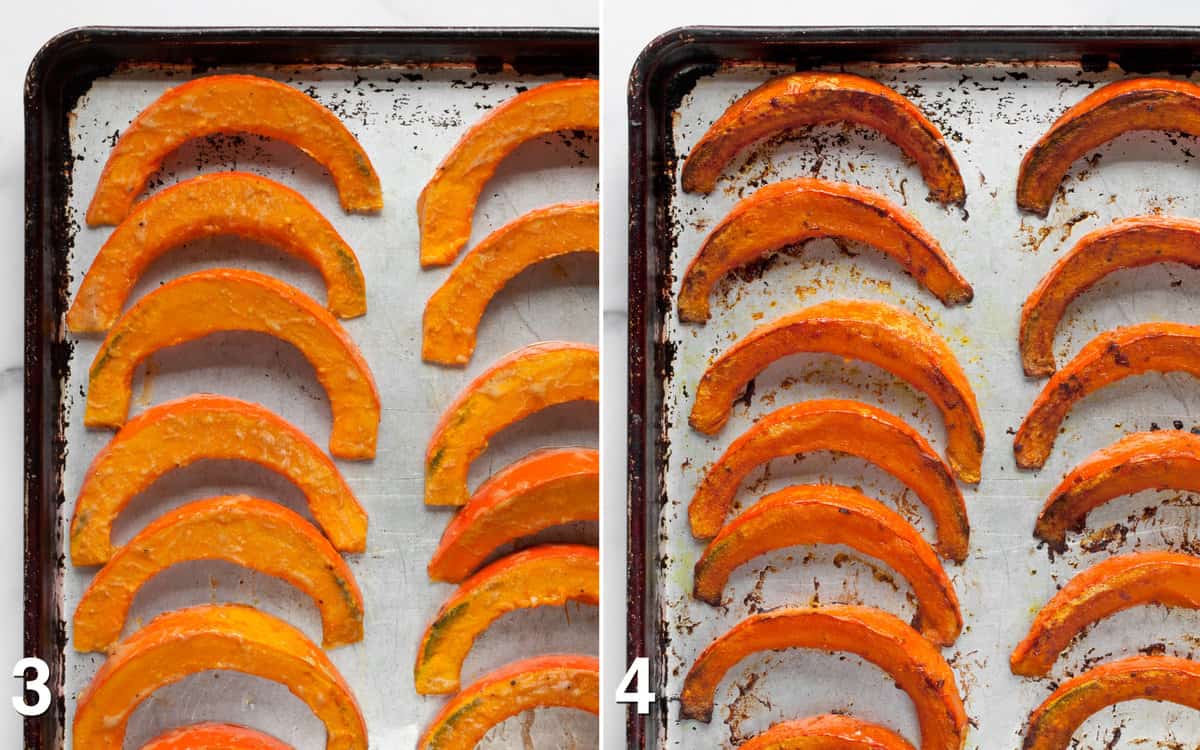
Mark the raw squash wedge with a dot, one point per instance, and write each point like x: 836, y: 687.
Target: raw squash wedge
x: 830, y: 514
x: 524, y: 382
x: 453, y: 313
x: 794, y: 211
x: 244, y: 530
x: 883, y: 335
x: 913, y: 662
x: 565, y: 681
x: 814, y: 98
x: 207, y: 302
x: 227, y: 203
x: 849, y: 427
x: 207, y: 427
x: 446, y: 206
x: 546, y: 576
x: 215, y: 737
x: 1110, y: 357
x: 546, y: 488
x: 232, y: 104
x: 827, y: 732
x: 215, y: 637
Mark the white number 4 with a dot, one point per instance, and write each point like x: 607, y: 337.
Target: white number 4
x: 37, y: 686
x: 642, y: 696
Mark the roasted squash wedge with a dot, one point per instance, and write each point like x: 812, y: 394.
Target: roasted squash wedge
x: 794, y: 211
x: 232, y: 104
x: 550, y: 575
x: 524, y: 382
x: 546, y: 488
x: 1106, y: 359
x: 206, y: 302
x: 545, y: 681
x: 215, y: 737
x: 1128, y: 243
x: 453, y: 313
x: 882, y: 639
x: 874, y: 332
x: 830, y: 514
x: 1154, y: 678
x: 227, y: 203
x: 827, y: 732
x: 207, y: 427
x: 215, y: 637
x: 446, y: 206
x: 801, y: 99
x: 850, y: 427
x: 1121, y: 107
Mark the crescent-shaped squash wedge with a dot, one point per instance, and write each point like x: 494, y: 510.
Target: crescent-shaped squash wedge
x: 882, y: 639
x: 524, y: 382
x: 207, y: 302
x: 830, y: 514
x: 232, y: 104
x: 453, y: 313
x: 1127, y: 243
x: 793, y: 211
x: 215, y: 637
x: 447, y: 204
x: 802, y: 99
x: 1121, y: 107
x: 227, y: 203
x: 561, y: 681
x: 550, y: 575
x: 1154, y: 678
x: 827, y: 732
x: 207, y: 427
x: 1106, y: 359
x: 244, y: 530
x: 546, y: 488
x: 215, y: 737
x: 881, y: 334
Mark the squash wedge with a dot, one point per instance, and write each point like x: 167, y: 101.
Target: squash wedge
x: 1110, y: 357
x: 1155, y: 678
x: 1128, y: 243
x: 830, y: 514
x: 794, y: 211
x: 546, y: 576
x: 227, y: 203
x: 801, y: 99
x: 215, y: 737
x: 882, y: 639
x: 207, y: 302
x: 564, y: 681
x: 849, y: 427
x: 446, y: 205
x: 215, y: 637
x: 206, y: 427
x: 1120, y: 107
x: 546, y: 488
x: 881, y: 334
x: 240, y: 529
x: 232, y: 104
x: 827, y: 732
x: 1167, y: 459
x: 453, y: 313
x: 524, y: 382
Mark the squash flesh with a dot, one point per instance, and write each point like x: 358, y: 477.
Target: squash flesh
x: 215, y: 737
x: 827, y: 732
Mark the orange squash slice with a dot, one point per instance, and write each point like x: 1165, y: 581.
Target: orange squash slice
x: 232, y: 104
x: 801, y: 99
x: 830, y: 514
x: 882, y: 639
x: 1121, y: 107
x: 446, y: 206
x: 550, y: 575
x: 564, y: 681
x: 1110, y: 357
x: 519, y: 384
x: 453, y: 313
x: 215, y: 737
x: 206, y: 302
x: 827, y: 732
x: 546, y: 488
x: 794, y: 211
x: 215, y: 637
x: 206, y: 427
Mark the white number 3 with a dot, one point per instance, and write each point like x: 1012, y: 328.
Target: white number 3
x: 37, y: 686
